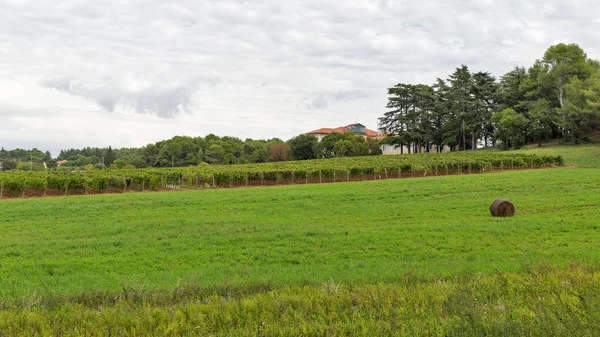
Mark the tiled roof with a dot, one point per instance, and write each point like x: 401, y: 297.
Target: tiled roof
x: 343, y: 129
x: 327, y: 131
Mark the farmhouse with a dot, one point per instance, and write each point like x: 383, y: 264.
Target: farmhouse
x: 356, y: 128
x: 361, y: 130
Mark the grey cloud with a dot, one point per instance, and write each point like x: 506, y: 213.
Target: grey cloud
x: 349, y: 95
x: 60, y: 83
x: 319, y: 103
x: 322, y: 101
x: 165, y: 101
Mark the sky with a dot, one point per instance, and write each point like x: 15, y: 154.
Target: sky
x: 78, y: 73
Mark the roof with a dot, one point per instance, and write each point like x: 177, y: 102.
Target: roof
x: 61, y: 162
x: 326, y: 131
x: 343, y: 129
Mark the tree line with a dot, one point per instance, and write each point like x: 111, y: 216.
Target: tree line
x: 181, y: 151
x: 25, y: 159
x: 557, y: 97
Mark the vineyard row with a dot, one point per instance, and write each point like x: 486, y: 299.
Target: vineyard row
x: 27, y: 184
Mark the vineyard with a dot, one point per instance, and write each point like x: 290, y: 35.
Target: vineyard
x: 29, y: 184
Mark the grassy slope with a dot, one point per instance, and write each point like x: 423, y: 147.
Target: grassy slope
x: 348, y: 234
x: 582, y: 156
x: 587, y: 155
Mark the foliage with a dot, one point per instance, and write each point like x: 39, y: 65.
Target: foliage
x: 511, y: 128
x: 557, y: 96
x: 279, y: 152
x: 10, y: 159
x: 30, y: 166
x: 303, y: 147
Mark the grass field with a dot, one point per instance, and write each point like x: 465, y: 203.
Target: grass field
x: 415, y: 256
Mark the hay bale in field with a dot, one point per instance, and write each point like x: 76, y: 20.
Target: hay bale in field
x: 501, y: 207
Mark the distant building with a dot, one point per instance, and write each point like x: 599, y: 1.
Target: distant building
x: 356, y: 128
x: 361, y: 130
x: 59, y: 163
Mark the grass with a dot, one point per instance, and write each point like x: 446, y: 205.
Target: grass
x: 587, y: 155
x: 546, y: 302
x: 406, y: 256
x: 364, y: 231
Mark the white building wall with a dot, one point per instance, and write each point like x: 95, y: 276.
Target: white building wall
x: 388, y: 149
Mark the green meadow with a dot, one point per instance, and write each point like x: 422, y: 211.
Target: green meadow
x: 410, y: 256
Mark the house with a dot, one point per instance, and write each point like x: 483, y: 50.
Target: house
x: 361, y: 130
x: 60, y: 162
x: 356, y: 128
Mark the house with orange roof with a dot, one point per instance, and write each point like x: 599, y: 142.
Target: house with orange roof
x: 361, y: 130
x: 356, y: 128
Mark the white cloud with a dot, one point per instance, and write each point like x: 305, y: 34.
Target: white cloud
x: 77, y: 73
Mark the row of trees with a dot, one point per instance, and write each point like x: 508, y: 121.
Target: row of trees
x: 25, y: 159
x: 182, y: 151
x: 557, y: 97
x: 178, y: 151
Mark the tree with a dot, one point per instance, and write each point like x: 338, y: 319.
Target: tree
x: 565, y: 62
x: 325, y: 148
x: 8, y: 164
x: 191, y: 159
x: 511, y: 128
x: 52, y: 164
x: 229, y: 159
x: 109, y: 156
x: 303, y: 147
x: 119, y: 163
x: 440, y: 115
x: 260, y: 155
x: 410, y: 121
x: 395, y: 121
x: 461, y: 83
x: 542, y: 119
x: 28, y: 166
x: 279, y: 152
x: 214, y: 154
x: 581, y: 108
x: 373, y: 147
x: 485, y: 92
x: 511, y: 91
x: 343, y: 148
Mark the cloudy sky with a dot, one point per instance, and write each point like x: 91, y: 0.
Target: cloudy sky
x: 126, y: 73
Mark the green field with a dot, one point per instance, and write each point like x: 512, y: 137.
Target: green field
x: 411, y: 256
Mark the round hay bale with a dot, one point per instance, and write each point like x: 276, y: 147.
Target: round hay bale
x: 501, y: 207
